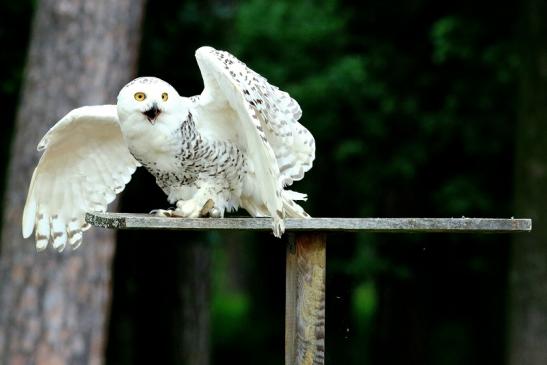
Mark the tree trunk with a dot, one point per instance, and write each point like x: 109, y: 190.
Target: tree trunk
x: 55, y: 306
x: 528, y: 276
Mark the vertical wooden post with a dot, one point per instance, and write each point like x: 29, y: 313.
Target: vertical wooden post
x: 305, y: 299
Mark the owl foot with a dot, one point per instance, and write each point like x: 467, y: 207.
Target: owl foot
x: 209, y: 204
x: 170, y: 213
x: 162, y: 212
x: 209, y: 210
x: 189, y: 209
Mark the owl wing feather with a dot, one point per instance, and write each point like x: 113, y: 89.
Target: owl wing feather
x: 224, y: 113
x: 275, y: 110
x: 84, y: 165
x: 239, y: 104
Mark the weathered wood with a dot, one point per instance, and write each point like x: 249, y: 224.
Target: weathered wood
x: 306, y: 259
x: 290, y: 301
x: 461, y: 225
x: 54, y: 307
x: 305, y: 299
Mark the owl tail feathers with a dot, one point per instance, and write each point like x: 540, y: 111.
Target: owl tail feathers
x: 293, y: 195
x: 290, y: 210
x: 278, y: 227
x: 293, y: 210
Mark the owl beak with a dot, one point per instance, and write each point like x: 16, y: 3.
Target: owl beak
x: 152, y: 113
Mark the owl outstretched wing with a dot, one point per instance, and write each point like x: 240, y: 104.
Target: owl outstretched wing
x: 239, y: 104
x: 85, y: 163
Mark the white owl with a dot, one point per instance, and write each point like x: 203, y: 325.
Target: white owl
x: 238, y: 144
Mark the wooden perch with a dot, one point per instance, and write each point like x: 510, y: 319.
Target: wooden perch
x: 401, y: 225
x: 306, y: 259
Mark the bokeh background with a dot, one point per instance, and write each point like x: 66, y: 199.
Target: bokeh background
x: 416, y: 107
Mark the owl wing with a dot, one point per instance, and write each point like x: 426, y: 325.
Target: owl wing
x: 240, y: 105
x: 84, y: 165
x: 275, y: 110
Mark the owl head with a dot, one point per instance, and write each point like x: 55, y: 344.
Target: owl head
x: 147, y: 100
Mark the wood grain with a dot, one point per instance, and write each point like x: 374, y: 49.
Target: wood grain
x: 305, y: 300
x: 455, y: 225
x: 306, y: 259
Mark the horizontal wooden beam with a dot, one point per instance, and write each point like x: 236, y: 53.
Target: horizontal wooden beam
x: 395, y: 225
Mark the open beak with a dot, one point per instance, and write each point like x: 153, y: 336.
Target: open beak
x: 152, y: 113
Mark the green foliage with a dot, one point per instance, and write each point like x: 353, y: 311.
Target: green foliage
x: 229, y: 312
x: 230, y: 305
x: 453, y: 38
x: 364, y: 302
x: 412, y: 106
x: 410, y: 112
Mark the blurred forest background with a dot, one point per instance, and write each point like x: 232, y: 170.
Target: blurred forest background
x: 416, y: 107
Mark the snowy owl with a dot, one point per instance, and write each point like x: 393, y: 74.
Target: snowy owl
x: 237, y: 144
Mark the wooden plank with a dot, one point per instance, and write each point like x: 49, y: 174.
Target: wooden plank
x: 456, y: 225
x: 305, y: 299
x: 290, y: 301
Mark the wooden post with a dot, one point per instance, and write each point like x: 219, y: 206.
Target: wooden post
x: 305, y: 299
x: 305, y: 282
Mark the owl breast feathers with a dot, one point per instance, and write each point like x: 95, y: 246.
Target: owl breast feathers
x: 237, y: 144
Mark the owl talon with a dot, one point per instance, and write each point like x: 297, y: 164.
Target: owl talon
x: 162, y: 212
x: 207, y: 207
x: 209, y: 210
x: 192, y: 209
x: 214, y: 213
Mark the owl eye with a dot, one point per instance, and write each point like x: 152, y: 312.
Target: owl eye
x: 164, y: 96
x: 140, y: 96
